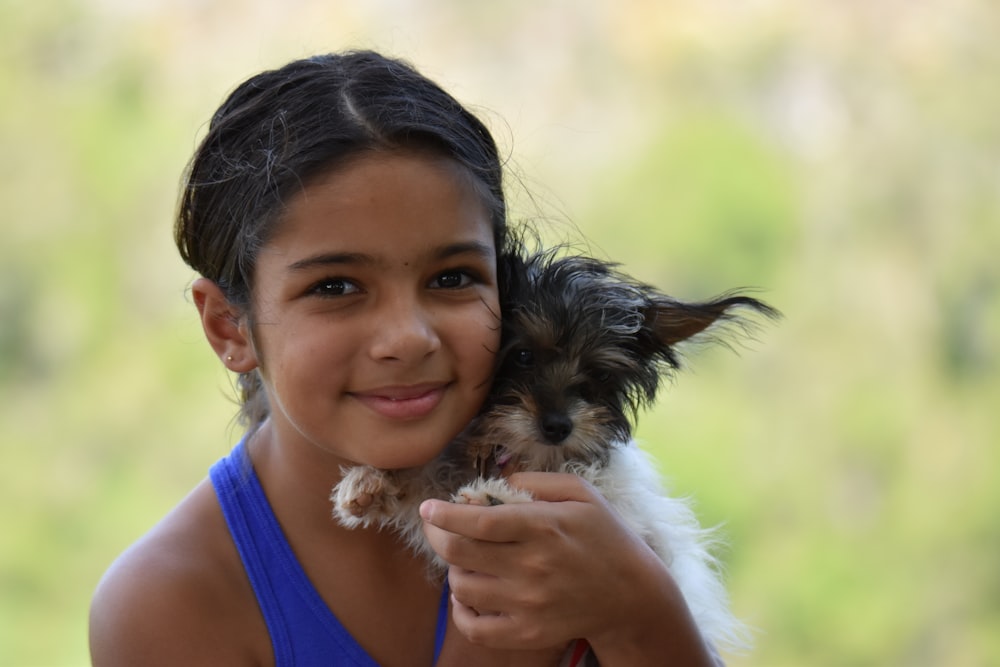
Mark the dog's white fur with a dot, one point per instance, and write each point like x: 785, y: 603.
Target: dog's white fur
x: 629, y: 481
x: 586, y: 347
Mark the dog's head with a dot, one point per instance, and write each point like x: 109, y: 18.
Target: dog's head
x: 584, y: 348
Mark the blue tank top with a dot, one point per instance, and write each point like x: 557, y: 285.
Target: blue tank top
x: 304, y: 632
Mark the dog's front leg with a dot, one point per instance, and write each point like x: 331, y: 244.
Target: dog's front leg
x: 494, y: 491
x: 366, y: 496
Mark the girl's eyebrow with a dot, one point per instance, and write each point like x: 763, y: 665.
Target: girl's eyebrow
x: 483, y: 250
x: 330, y: 258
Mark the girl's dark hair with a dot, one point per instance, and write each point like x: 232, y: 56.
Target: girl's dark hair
x: 283, y: 128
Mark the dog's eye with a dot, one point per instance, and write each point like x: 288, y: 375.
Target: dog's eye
x: 524, y: 358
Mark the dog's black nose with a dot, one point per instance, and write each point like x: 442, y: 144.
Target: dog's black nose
x: 556, y: 427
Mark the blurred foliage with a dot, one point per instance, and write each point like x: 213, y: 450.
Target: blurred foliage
x: 840, y: 157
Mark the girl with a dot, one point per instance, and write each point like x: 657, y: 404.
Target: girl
x: 344, y: 215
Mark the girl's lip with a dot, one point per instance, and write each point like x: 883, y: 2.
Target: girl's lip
x: 403, y: 402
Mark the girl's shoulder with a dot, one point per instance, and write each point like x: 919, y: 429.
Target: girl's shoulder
x: 179, y: 595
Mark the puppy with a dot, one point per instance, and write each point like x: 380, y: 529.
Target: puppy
x: 584, y: 349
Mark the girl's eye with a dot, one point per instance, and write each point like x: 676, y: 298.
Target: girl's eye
x: 334, y: 287
x: 452, y: 280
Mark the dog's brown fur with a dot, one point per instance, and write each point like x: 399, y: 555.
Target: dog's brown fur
x: 584, y: 348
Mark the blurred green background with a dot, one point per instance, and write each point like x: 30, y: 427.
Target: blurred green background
x: 843, y: 157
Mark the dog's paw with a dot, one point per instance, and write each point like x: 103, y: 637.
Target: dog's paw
x: 364, y: 496
x: 490, y: 492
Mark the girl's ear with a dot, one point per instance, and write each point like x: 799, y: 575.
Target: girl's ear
x: 225, y: 327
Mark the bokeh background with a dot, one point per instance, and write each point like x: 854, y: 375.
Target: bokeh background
x: 842, y: 157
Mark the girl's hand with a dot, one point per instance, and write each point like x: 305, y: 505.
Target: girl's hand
x: 537, y: 575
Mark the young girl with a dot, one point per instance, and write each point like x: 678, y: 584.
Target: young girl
x: 344, y: 215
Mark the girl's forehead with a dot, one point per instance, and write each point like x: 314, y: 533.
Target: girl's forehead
x: 386, y: 179
x: 385, y: 203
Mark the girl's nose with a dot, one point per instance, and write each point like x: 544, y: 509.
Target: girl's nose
x: 404, y: 332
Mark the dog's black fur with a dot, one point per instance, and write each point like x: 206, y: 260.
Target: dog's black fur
x: 584, y: 348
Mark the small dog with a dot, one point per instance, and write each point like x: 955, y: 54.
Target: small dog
x: 584, y: 348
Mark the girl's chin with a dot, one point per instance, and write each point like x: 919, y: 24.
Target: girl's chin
x: 398, y: 464
x: 393, y: 461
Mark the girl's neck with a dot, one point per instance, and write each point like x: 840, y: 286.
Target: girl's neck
x: 297, y: 479
x: 368, y: 578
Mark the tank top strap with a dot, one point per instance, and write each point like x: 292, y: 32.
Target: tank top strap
x: 302, y: 628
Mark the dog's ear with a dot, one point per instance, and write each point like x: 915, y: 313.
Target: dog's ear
x: 671, y: 321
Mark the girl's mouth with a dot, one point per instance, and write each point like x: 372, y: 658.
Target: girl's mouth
x: 403, y: 403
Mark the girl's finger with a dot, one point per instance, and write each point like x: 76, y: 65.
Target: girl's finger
x: 502, y: 631
x: 493, y: 558
x: 482, y: 628
x: 554, y: 487
x: 492, y: 595
x: 500, y: 523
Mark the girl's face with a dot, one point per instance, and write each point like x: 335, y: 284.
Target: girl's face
x: 376, y: 310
